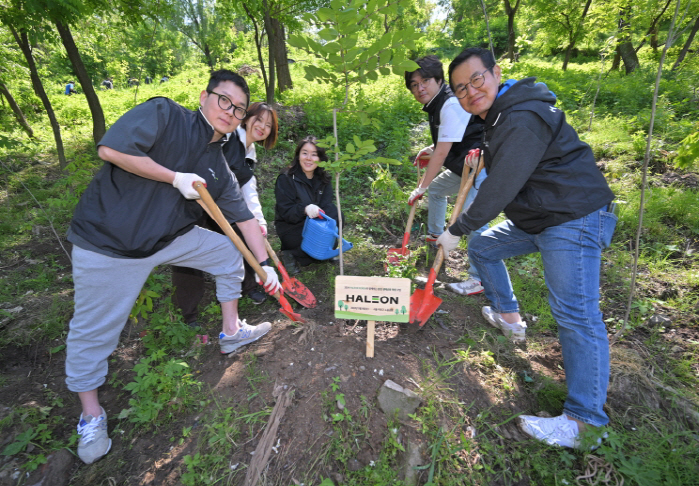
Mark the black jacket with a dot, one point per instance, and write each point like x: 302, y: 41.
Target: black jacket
x: 539, y: 172
x: 124, y: 215
x: 293, y: 193
x: 472, y: 135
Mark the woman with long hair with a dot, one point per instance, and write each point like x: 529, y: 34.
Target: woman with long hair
x: 304, y: 189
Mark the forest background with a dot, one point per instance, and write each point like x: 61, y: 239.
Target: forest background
x: 317, y: 62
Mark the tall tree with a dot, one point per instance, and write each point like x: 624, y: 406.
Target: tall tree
x: 206, y: 23
x: 22, y: 39
x: 269, y: 19
x: 687, y: 43
x: 93, y: 101
x: 624, y: 47
x: 19, y: 116
x: 511, y: 11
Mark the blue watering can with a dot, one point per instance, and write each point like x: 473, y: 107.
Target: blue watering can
x: 320, y: 237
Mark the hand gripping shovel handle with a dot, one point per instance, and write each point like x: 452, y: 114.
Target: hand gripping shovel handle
x: 213, y: 210
x: 423, y: 303
x: 466, y: 185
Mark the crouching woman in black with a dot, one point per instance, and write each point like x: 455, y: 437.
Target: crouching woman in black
x: 304, y: 189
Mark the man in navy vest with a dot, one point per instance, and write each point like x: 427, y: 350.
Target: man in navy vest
x: 454, y: 132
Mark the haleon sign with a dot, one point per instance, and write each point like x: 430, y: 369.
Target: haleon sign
x: 372, y: 298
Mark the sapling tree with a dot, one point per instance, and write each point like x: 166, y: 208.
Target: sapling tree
x: 346, y: 58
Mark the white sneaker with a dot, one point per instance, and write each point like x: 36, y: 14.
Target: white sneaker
x: 516, y: 332
x: 560, y: 431
x: 94, y: 441
x: 467, y: 287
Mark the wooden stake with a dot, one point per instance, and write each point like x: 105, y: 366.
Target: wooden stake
x: 370, y: 339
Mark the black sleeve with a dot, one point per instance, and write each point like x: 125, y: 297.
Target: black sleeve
x: 288, y: 207
x: 138, y: 129
x: 516, y: 149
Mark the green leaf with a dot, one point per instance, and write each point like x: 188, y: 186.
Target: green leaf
x: 350, y: 148
x: 328, y: 34
x: 57, y: 349
x: 384, y: 57
x: 373, y: 75
x: 384, y: 71
x: 325, y: 14
x: 337, y: 4
x: 297, y: 41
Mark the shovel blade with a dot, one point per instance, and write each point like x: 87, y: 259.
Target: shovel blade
x: 287, y: 310
x: 422, y: 306
x: 299, y: 292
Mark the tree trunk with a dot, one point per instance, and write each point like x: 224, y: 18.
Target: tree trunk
x: 277, y: 44
x: 624, y: 47
x: 258, y: 45
x: 511, y: 38
x: 270, y: 55
x: 629, y: 56
x: 616, y: 62
x: 16, y: 110
x: 574, y: 35
x: 685, y: 48
x: 98, y: 125
x: 23, y: 42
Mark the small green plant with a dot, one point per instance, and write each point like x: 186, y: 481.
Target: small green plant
x: 161, y: 388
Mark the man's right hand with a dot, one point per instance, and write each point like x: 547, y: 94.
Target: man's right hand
x: 184, y: 183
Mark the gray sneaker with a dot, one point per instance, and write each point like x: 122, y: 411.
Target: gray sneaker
x: 245, y: 335
x: 516, y: 332
x: 558, y: 431
x: 94, y: 441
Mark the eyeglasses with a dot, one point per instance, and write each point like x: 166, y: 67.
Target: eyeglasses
x: 226, y: 104
x: 419, y: 84
x: 477, y: 81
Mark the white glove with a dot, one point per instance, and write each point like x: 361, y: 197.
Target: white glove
x: 184, y: 181
x: 312, y: 211
x: 448, y: 241
x: 271, y: 284
x: 416, y: 194
x: 263, y: 228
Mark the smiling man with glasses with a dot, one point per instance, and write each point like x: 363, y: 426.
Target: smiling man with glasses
x: 557, y: 202
x: 139, y: 212
x: 454, y: 132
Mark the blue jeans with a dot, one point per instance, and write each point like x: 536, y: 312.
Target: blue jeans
x: 571, y: 254
x: 442, y: 186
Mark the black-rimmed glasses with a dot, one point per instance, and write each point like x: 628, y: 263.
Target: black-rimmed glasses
x: 226, y: 104
x: 477, y: 81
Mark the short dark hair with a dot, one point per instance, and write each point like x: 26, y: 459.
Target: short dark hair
x: 295, y: 166
x: 257, y: 109
x: 430, y: 67
x: 222, y: 75
x: 486, y: 58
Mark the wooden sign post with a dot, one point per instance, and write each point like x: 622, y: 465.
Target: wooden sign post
x: 372, y: 299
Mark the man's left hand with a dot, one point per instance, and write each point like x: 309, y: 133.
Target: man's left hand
x: 271, y: 284
x: 448, y: 242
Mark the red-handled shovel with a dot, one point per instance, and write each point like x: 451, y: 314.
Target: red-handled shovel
x: 393, y: 255
x: 423, y: 303
x: 212, y: 208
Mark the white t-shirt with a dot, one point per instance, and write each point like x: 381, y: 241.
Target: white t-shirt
x: 453, y: 121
